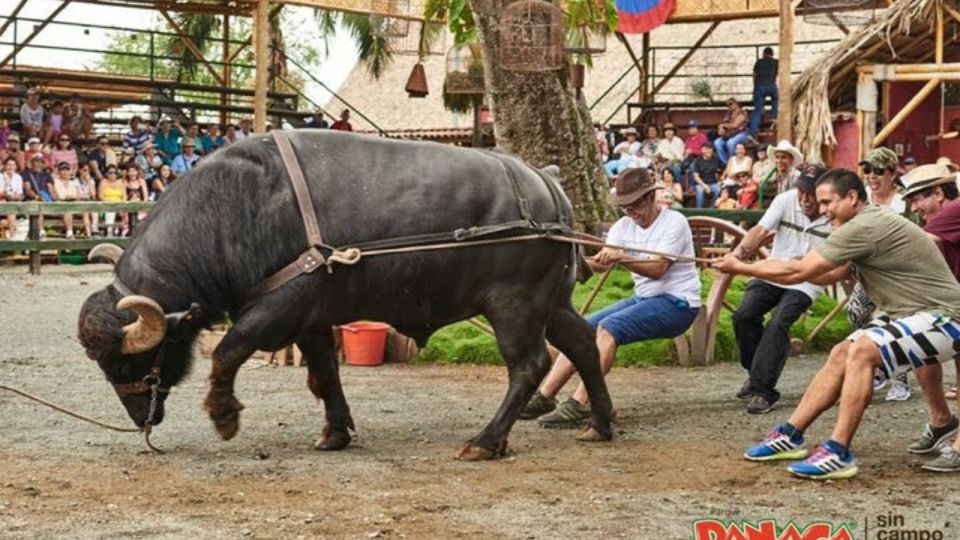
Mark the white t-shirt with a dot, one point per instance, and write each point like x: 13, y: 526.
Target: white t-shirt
x: 670, y: 149
x: 897, y: 203
x: 32, y: 117
x: 12, y: 185
x: 795, y: 234
x: 625, y: 147
x: 669, y: 233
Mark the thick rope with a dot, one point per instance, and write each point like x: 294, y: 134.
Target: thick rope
x: 145, y: 430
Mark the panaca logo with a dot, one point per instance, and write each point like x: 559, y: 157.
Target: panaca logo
x: 767, y: 529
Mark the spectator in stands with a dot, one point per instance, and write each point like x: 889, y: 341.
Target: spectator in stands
x: 798, y: 227
x: 739, y: 162
x: 764, y: 86
x: 705, y: 170
x: 669, y: 151
x: 102, y: 157
x: 87, y: 191
x: 54, y: 124
x: 35, y: 148
x: 149, y: 162
x: 13, y: 150
x: 317, y: 121
x: 729, y: 190
x: 167, y: 140
x: 64, y: 189
x: 666, y: 294
x: 193, y: 133
x: 763, y: 165
x: 628, y: 149
x: 784, y: 178
x: 137, y: 191
x: 909, y: 164
x: 651, y: 140
x: 187, y: 160
x: 212, y: 140
x: 931, y: 192
x: 692, y: 149
x: 37, y: 180
x: 731, y: 132
x: 4, y: 132
x: 669, y: 192
x: 32, y: 115
x: 230, y: 134
x: 343, y: 124
x: 111, y: 189
x: 601, y: 134
x: 137, y: 136
x: 78, y: 119
x: 161, y: 183
x: 246, y: 129
x: 880, y: 176
x: 65, y: 152
x: 11, y: 190
x: 747, y: 195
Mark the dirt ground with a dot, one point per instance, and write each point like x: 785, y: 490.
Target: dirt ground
x: 676, y: 457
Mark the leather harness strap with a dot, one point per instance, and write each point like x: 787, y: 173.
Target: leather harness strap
x: 312, y: 258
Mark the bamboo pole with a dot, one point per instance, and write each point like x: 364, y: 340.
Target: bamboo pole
x: 225, y: 56
x: 785, y: 115
x: 907, y: 109
x: 938, y: 54
x: 915, y: 68
x: 261, y: 31
x: 952, y: 12
x: 596, y: 290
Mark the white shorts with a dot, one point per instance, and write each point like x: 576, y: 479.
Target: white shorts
x: 913, y: 342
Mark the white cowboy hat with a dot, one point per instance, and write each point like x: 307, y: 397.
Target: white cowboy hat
x: 785, y: 147
x: 628, y: 131
x: 925, y: 176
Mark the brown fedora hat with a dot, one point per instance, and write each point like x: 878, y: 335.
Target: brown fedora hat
x: 629, y: 186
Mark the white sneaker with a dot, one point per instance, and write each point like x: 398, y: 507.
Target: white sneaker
x: 880, y: 380
x: 69, y: 235
x: 899, y: 391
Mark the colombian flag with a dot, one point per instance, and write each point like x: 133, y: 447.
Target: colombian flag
x: 641, y: 16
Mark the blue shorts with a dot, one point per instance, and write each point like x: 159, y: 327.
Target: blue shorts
x: 638, y: 319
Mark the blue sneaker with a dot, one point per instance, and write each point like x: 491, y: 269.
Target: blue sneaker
x: 827, y: 463
x: 777, y: 445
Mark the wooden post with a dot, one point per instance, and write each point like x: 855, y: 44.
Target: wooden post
x: 785, y: 115
x: 645, y: 76
x: 34, y: 235
x: 261, y: 32
x: 225, y: 55
x: 938, y: 50
x: 907, y: 109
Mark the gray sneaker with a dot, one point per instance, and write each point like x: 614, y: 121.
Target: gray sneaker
x: 570, y: 414
x: 949, y: 461
x: 899, y: 390
x: 933, y: 438
x: 538, y: 406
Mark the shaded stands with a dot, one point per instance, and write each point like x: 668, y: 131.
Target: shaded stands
x: 105, y: 95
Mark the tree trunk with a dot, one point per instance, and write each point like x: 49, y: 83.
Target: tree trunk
x: 538, y: 118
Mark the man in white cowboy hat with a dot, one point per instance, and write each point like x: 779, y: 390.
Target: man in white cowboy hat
x: 628, y: 149
x: 931, y: 194
x: 953, y: 167
x: 666, y: 295
x: 787, y: 158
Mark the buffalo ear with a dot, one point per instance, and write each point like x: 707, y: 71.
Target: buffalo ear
x: 182, y: 324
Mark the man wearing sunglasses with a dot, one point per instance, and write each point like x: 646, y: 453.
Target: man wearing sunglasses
x: 666, y: 295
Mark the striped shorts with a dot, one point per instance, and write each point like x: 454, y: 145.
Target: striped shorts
x: 912, y: 342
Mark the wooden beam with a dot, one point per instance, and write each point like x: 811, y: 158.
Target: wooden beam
x: 690, y: 52
x: 907, y: 109
x: 785, y: 115
x: 37, y: 29
x: 938, y: 43
x: 645, y: 72
x: 843, y: 28
x: 12, y: 17
x: 261, y: 33
x: 952, y: 12
x: 197, y: 53
x: 227, y: 77
x: 249, y: 41
x: 902, y: 69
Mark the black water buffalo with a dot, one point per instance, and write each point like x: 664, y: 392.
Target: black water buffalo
x: 233, y: 221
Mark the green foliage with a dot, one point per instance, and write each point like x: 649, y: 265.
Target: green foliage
x: 463, y: 343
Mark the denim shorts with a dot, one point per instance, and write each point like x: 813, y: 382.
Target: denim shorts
x: 638, y: 319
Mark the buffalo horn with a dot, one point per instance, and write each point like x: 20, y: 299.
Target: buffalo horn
x: 110, y: 253
x: 148, y: 330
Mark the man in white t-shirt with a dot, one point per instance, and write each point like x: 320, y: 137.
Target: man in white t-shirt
x: 666, y: 293
x: 32, y: 114
x: 795, y: 220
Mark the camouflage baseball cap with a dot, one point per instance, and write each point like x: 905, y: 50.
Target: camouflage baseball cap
x: 883, y: 158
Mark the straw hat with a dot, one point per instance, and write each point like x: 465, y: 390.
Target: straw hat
x: 948, y: 163
x: 925, y: 176
x: 784, y: 146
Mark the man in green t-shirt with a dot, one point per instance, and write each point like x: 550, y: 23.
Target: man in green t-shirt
x: 904, y: 273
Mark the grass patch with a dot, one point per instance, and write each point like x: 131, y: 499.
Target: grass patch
x: 463, y: 343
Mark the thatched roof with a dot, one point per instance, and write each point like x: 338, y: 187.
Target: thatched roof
x: 902, y: 34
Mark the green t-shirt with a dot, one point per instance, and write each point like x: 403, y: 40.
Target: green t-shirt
x: 901, y: 269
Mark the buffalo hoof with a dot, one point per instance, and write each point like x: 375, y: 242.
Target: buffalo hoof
x: 476, y: 453
x: 333, y: 439
x: 226, y: 417
x: 592, y: 434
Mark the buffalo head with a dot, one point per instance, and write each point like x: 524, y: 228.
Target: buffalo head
x: 136, y: 345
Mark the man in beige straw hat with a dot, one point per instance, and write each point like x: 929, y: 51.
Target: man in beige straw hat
x: 666, y: 292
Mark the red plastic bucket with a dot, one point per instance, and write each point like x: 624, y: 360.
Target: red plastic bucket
x: 364, y: 343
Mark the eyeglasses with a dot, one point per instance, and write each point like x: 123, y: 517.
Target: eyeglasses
x: 111, y: 173
x: 870, y: 169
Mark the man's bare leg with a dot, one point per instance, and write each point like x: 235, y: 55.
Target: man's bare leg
x: 824, y: 390
x: 608, y: 353
x: 863, y: 357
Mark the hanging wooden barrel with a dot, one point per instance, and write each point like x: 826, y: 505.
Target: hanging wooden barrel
x: 531, y: 36
x: 417, y: 82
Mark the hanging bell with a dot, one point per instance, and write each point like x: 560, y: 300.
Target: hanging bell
x: 417, y: 83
